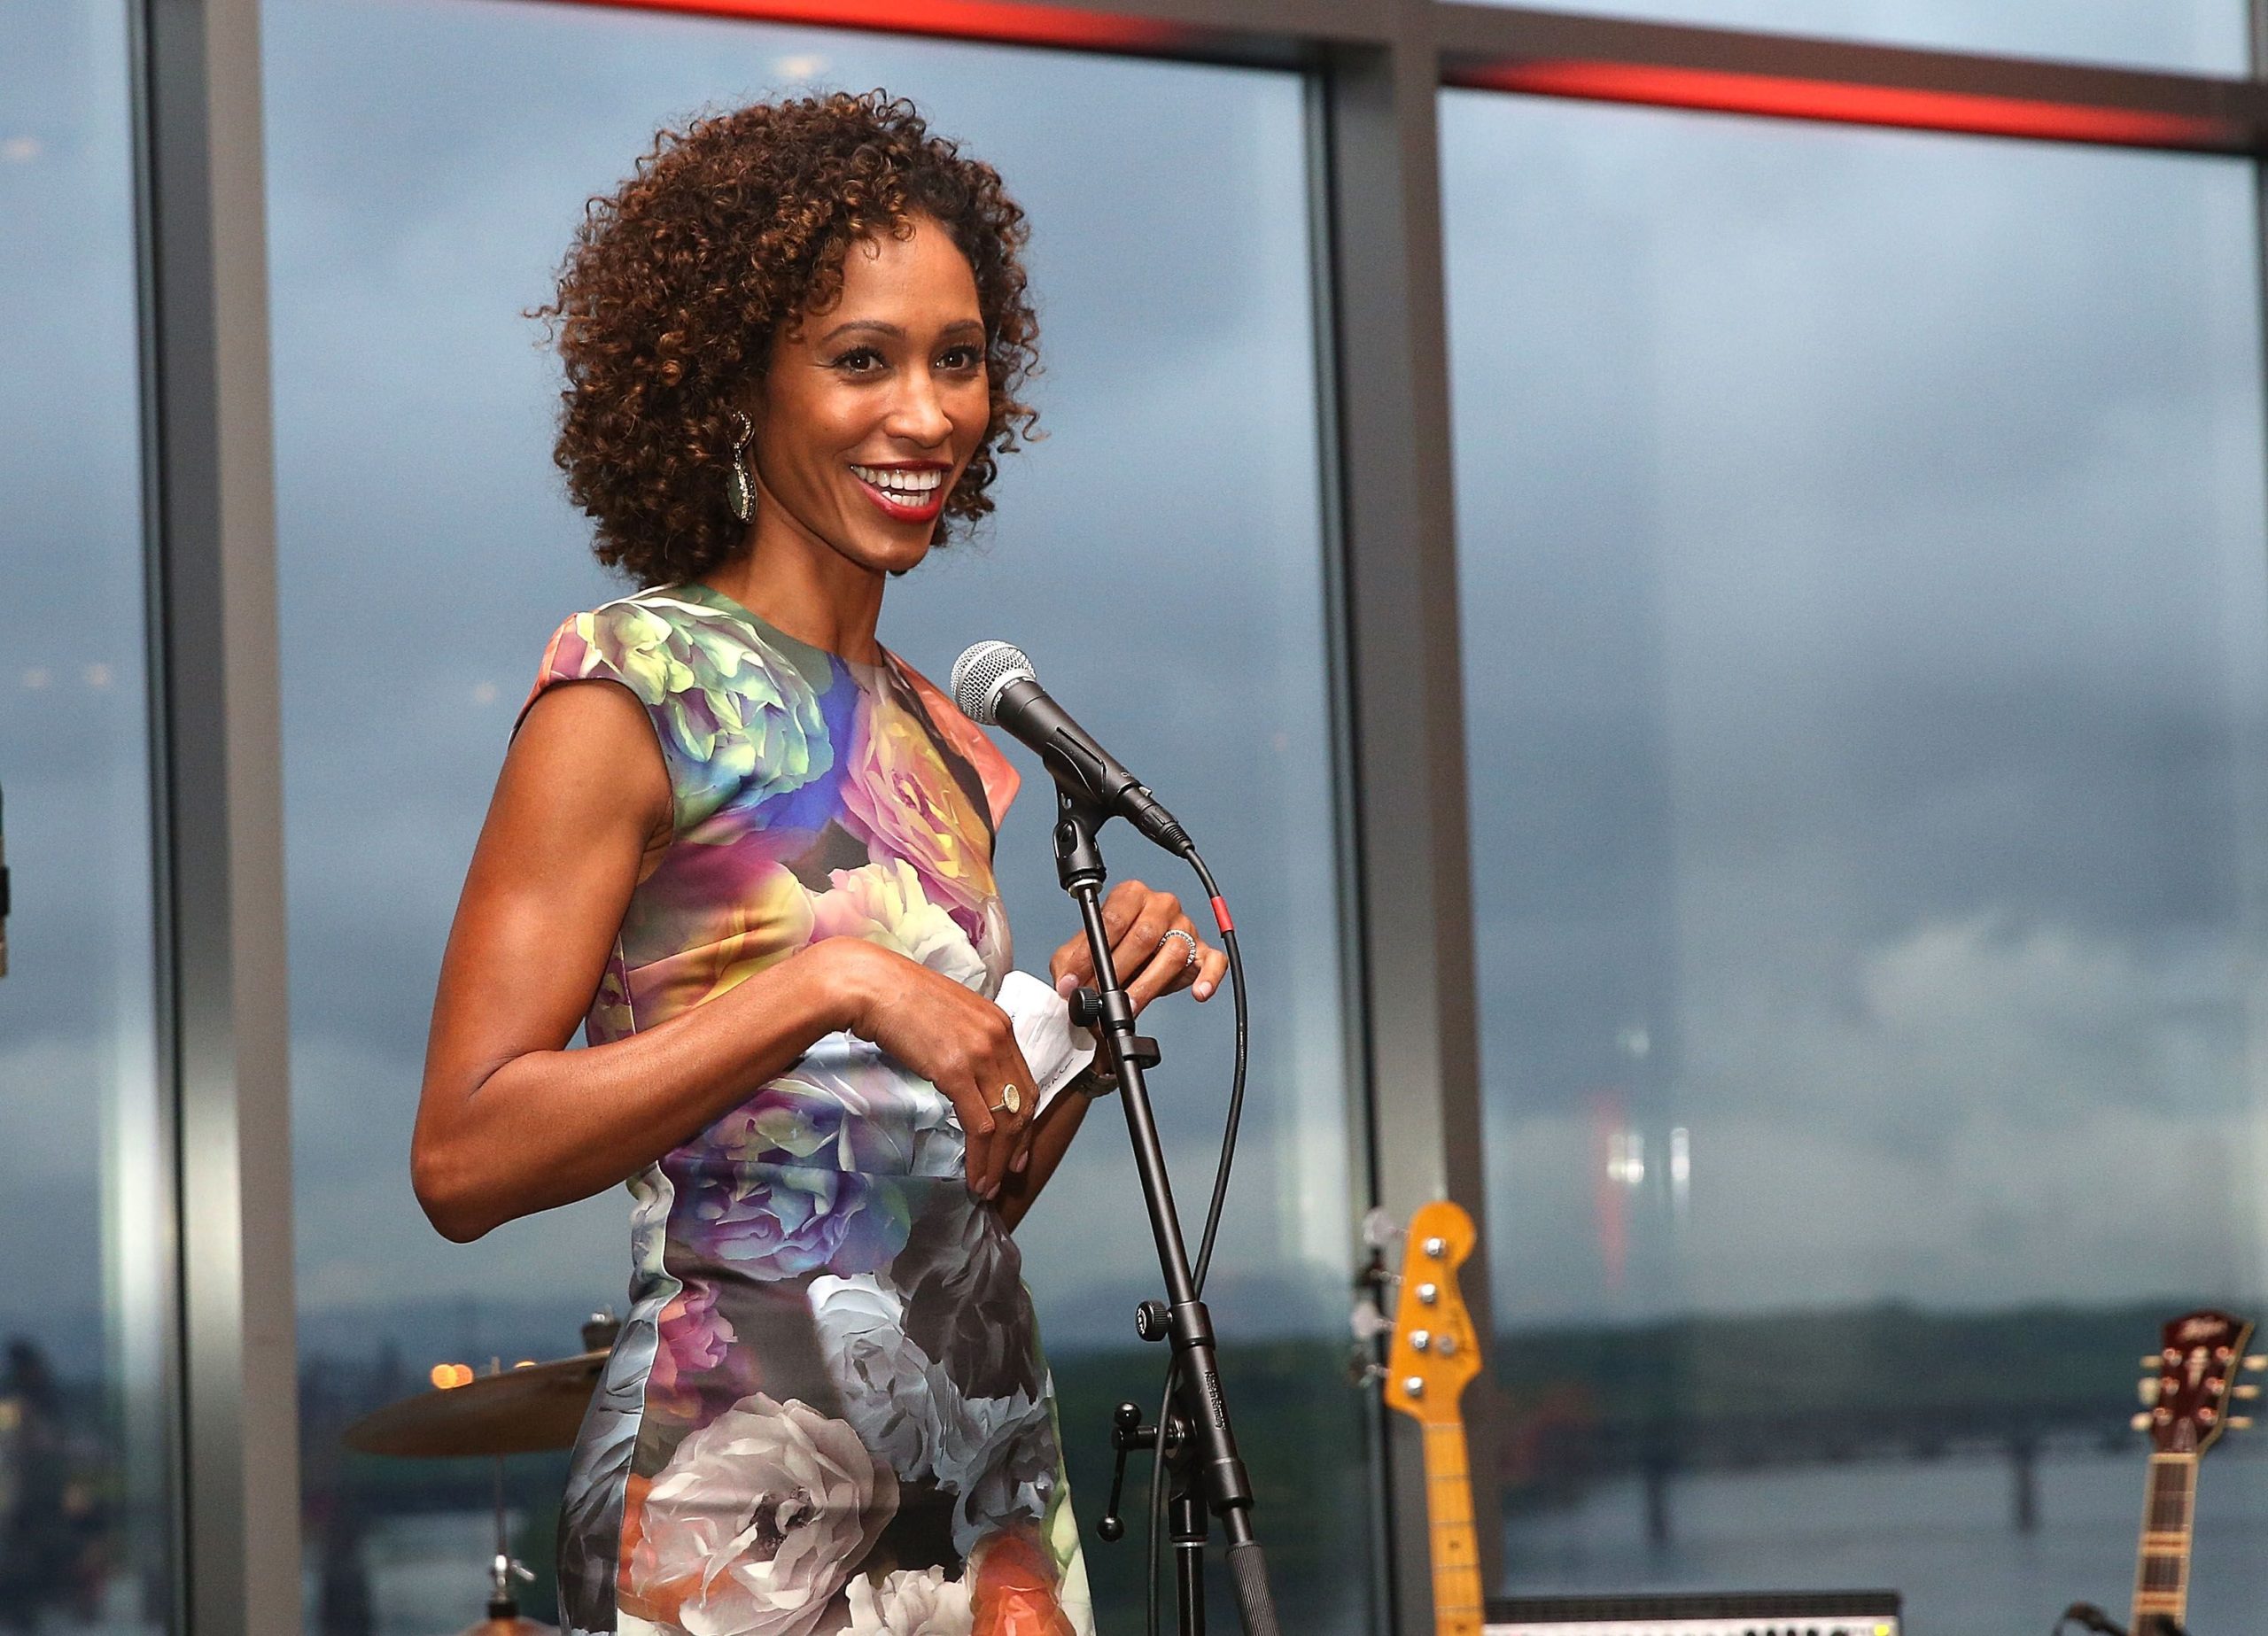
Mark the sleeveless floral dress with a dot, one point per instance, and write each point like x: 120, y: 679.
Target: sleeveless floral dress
x: 827, y: 1410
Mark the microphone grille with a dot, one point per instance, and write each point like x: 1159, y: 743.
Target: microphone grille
x: 979, y: 674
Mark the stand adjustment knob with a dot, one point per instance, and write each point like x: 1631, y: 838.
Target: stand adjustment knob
x: 1127, y: 1434
x: 1152, y: 1320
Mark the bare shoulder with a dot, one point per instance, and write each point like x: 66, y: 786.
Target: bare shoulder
x: 584, y: 760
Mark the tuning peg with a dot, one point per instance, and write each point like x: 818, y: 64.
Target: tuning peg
x: 2147, y: 1388
x: 1362, y: 1371
x: 2141, y: 1422
x: 2255, y: 1361
x: 2247, y: 1391
x: 2152, y: 1361
x: 1368, y: 1321
x: 1381, y: 1230
x: 2239, y: 1422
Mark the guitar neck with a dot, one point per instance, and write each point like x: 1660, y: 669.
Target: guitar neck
x: 2162, y: 1566
x: 1457, y: 1554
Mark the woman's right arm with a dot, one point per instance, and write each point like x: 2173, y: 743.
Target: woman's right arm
x: 509, y: 1121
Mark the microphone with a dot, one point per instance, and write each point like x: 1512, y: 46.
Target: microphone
x: 993, y: 683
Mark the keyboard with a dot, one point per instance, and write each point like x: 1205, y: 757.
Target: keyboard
x: 1707, y: 1613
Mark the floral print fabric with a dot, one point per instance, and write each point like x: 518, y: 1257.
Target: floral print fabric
x: 827, y: 1411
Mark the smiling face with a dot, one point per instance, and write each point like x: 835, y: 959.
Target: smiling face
x: 871, y: 409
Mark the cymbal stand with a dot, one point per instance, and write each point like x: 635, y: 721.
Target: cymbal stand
x: 503, y: 1567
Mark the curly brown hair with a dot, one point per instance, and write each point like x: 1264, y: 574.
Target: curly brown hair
x: 678, y: 282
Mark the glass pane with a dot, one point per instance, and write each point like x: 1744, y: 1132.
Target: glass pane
x: 1861, y: 540
x: 83, y: 1291
x: 428, y: 164
x: 2194, y: 36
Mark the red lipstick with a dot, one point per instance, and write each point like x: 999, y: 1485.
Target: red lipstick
x: 901, y: 506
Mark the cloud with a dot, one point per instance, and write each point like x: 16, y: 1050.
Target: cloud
x: 1970, y: 1114
x: 1863, y: 620
x: 1860, y: 541
x: 361, y: 1241
x: 428, y: 163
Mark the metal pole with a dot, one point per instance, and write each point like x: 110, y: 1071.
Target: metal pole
x: 209, y: 485
x: 1389, y: 344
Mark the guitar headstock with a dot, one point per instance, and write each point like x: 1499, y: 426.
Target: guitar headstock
x: 2191, y: 1380
x: 1434, y: 1351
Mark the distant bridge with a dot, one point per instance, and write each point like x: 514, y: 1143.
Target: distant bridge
x: 1566, y: 1456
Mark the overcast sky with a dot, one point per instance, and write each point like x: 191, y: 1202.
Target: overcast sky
x: 76, y: 1028
x: 1866, y: 631
x: 1156, y: 555
x: 1866, y: 644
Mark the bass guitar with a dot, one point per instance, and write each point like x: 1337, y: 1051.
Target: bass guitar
x: 1431, y: 1356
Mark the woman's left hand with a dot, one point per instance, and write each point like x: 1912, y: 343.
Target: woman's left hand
x: 1150, y: 959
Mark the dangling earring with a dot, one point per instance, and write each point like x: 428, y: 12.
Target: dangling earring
x: 739, y: 493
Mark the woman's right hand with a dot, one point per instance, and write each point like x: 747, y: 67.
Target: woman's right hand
x: 951, y: 1035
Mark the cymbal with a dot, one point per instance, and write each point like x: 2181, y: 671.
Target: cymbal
x: 517, y: 1412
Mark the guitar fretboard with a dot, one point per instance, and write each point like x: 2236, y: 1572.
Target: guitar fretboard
x: 2161, y: 1567
x: 1457, y: 1554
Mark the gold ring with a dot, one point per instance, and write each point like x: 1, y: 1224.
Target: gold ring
x: 1011, y: 1100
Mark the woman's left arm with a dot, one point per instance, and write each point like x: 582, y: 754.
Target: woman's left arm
x: 1151, y: 961
x: 1050, y: 1139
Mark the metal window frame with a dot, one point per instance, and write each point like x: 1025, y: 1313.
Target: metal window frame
x: 1374, y: 66
x: 208, y: 481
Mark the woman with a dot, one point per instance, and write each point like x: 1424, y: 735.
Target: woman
x: 755, y: 859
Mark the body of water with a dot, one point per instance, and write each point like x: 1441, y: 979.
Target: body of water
x: 1941, y: 1532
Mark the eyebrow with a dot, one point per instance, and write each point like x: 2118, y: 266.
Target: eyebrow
x: 877, y: 326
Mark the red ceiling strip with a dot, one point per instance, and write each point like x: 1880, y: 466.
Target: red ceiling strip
x: 969, y: 20
x: 1784, y: 96
x: 1842, y: 101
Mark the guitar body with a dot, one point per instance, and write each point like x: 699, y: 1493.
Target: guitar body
x: 1434, y: 1353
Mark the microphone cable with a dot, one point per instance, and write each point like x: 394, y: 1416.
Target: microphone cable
x: 1236, y: 1085
x: 1226, y: 1163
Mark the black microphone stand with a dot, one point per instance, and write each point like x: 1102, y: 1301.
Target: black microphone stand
x: 1199, y: 1447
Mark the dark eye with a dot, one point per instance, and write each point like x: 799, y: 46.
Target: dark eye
x: 960, y: 359
x: 860, y: 361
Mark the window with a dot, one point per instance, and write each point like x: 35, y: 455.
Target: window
x: 1866, y: 624
x: 427, y: 163
x: 2192, y: 36
x: 83, y: 1290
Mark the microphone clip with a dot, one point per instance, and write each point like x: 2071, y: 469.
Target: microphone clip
x: 1078, y: 860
